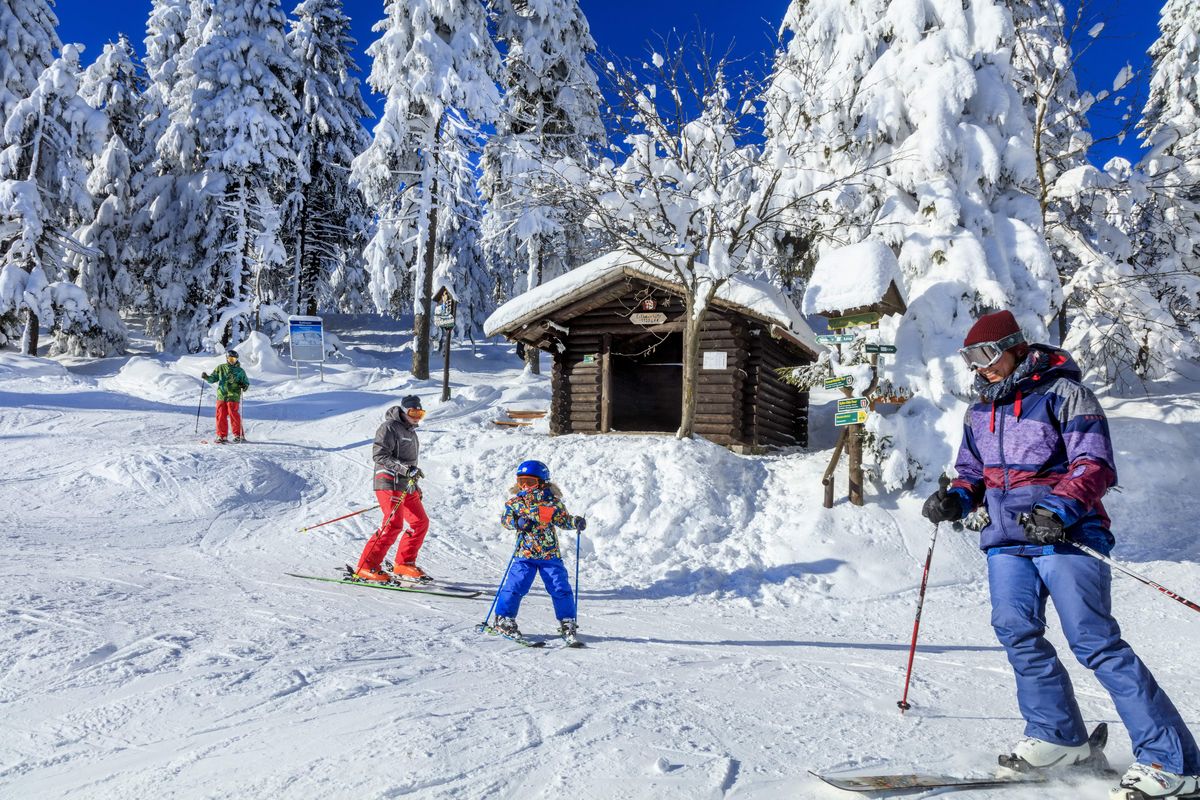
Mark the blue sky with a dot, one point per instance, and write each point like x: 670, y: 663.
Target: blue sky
x: 748, y: 26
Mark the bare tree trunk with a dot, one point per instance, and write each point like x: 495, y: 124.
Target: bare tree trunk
x: 29, y: 339
x: 533, y: 356
x: 691, y: 366
x: 422, y: 317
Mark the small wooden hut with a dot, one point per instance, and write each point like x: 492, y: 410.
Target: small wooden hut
x: 614, y: 329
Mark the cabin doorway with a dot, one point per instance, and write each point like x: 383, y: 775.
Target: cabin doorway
x: 647, y: 382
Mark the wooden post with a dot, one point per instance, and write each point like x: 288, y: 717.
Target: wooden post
x: 605, y: 383
x: 827, y: 480
x: 446, y: 365
x: 854, y: 437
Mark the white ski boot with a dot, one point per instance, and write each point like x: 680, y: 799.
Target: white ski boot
x: 1037, y: 755
x: 1146, y: 782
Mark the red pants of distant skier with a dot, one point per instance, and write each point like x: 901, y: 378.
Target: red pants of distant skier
x: 399, y: 509
x: 229, y: 415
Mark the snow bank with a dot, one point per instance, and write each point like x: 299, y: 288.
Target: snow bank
x: 146, y: 378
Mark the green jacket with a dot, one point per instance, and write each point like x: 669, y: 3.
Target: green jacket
x: 231, y: 381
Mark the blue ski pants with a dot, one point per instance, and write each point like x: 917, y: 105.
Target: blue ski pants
x: 520, y: 579
x: 1080, y: 587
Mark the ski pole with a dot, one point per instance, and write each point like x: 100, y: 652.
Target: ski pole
x: 1135, y: 576
x: 335, y: 519
x: 198, y: 404
x: 577, y: 537
x: 1118, y: 565
x: 912, y: 650
x: 480, y: 627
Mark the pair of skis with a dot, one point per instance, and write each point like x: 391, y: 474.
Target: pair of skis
x: 1096, y: 764
x: 570, y: 640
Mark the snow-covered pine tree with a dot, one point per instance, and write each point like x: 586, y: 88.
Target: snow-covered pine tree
x: 112, y: 85
x: 914, y: 107
x: 550, y: 111
x: 328, y: 215
x: 28, y: 29
x: 460, y: 264
x: 167, y: 209
x: 1167, y: 228
x: 431, y: 56
x: 235, y: 131
x: 48, y: 140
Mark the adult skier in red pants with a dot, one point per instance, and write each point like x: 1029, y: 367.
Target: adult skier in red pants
x: 395, y: 483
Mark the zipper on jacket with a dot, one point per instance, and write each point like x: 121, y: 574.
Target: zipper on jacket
x: 1003, y: 458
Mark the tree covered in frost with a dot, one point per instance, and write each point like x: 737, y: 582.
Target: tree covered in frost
x: 550, y: 111
x: 689, y: 193
x: 168, y: 208
x: 914, y: 106
x: 28, y: 31
x: 326, y: 216
x: 1167, y: 228
x: 460, y: 264
x: 47, y: 143
x: 432, y: 56
x: 111, y: 85
x: 234, y: 131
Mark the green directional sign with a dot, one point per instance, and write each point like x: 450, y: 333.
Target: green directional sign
x: 854, y: 320
x: 850, y: 417
x: 881, y: 348
x: 852, y: 404
x: 839, y: 383
x: 836, y: 338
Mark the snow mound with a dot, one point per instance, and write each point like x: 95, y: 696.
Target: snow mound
x: 147, y: 379
x: 258, y: 357
x: 851, y: 277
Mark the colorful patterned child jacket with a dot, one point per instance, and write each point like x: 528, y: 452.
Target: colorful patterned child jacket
x: 540, y: 541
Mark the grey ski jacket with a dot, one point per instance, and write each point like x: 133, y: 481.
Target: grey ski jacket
x: 395, y: 451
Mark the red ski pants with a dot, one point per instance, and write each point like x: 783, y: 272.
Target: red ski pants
x: 399, y: 509
x: 229, y: 414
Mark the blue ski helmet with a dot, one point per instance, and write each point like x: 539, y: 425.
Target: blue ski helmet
x: 535, y: 468
x: 231, y: 354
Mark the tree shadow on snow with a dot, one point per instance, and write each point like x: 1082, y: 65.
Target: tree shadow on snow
x: 893, y: 646
x: 744, y: 582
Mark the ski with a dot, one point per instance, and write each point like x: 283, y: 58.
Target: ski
x: 917, y: 781
x: 464, y: 594
x: 519, y: 639
x: 429, y: 583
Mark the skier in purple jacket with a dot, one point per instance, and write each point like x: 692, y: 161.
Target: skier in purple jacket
x: 1036, y: 446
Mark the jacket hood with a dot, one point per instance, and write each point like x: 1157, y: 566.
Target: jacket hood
x: 1041, y: 366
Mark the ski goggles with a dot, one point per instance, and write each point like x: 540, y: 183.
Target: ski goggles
x: 528, y: 481
x: 415, y: 413
x: 984, y: 354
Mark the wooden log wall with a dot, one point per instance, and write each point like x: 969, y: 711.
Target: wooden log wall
x: 776, y: 413
x: 720, y: 395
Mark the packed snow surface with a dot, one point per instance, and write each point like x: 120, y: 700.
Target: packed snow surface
x: 738, y: 633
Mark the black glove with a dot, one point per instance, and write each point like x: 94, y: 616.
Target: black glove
x: 580, y: 524
x: 413, y: 473
x: 203, y: 376
x: 943, y: 506
x: 1043, y: 527
x: 525, y: 523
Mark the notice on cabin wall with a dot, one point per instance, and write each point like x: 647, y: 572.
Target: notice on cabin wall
x: 715, y: 359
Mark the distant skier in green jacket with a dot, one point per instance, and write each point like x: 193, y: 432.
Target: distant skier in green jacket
x: 231, y: 381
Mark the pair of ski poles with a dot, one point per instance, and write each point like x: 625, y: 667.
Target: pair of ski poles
x: 496, y: 597
x: 903, y: 702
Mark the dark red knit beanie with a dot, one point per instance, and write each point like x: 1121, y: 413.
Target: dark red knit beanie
x: 992, y: 328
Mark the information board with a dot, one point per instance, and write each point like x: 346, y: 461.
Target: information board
x: 307, y: 337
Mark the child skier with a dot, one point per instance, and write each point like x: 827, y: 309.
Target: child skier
x: 231, y: 381
x: 534, y: 511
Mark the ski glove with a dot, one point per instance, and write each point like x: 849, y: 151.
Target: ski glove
x: 203, y: 376
x: 525, y: 523
x: 413, y: 473
x: 942, y: 506
x: 1043, y: 527
x: 580, y: 524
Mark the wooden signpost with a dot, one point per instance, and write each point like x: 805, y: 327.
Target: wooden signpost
x: 443, y: 317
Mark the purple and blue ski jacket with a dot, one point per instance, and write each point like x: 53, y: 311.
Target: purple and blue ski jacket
x: 1037, y: 438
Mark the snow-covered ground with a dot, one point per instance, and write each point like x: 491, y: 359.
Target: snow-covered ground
x: 740, y: 634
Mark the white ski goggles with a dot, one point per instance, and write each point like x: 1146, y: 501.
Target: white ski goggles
x: 984, y: 354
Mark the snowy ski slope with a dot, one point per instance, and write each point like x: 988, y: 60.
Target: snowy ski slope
x: 739, y: 633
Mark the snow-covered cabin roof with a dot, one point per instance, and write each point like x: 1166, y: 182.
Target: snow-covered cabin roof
x: 749, y: 296
x: 853, y: 277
